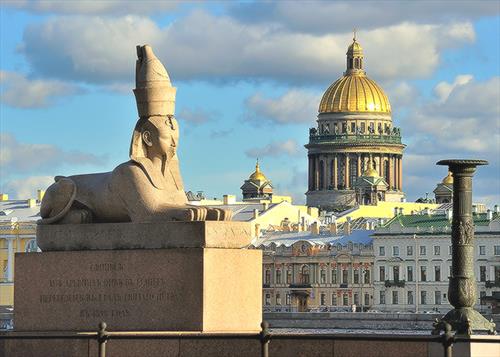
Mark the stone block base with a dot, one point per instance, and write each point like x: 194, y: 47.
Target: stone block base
x: 183, y: 289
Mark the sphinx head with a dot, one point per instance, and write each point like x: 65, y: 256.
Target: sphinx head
x: 155, y: 137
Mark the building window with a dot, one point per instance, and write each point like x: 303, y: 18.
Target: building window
x: 288, y: 299
x: 395, y: 251
x: 278, y: 276
x: 323, y: 276
x: 304, y: 275
x: 356, y: 276
x: 409, y: 250
x: 409, y: 273
x: 278, y: 299
x: 344, y: 276
x: 423, y: 273
x: 381, y: 251
x: 437, y: 297
x: 288, y: 276
x: 268, y: 299
x: 345, y: 300
x: 267, y: 278
x: 356, y: 299
x: 367, y: 299
x: 423, y: 297
x: 497, y: 274
x: 363, y: 127
x: 395, y: 273
x: 394, y: 297
x: 482, y: 273
x: 496, y: 249
x: 422, y: 250
x: 372, y: 128
x: 382, y: 273
x: 482, y: 250
x: 367, y: 277
x: 437, y: 273
x: 334, y: 276
x: 353, y: 127
x: 437, y: 250
x: 321, y: 175
x: 334, y: 299
x: 382, y: 297
x: 323, y: 299
x: 410, y: 298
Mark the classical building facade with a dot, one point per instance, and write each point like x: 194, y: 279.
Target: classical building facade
x: 354, y: 127
x: 317, y: 271
x: 413, y: 261
x: 444, y: 190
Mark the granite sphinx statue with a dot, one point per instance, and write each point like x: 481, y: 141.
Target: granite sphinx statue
x: 147, y: 188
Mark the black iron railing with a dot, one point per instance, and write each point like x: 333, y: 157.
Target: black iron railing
x: 265, y: 337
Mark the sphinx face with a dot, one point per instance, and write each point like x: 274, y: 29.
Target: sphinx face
x: 168, y: 138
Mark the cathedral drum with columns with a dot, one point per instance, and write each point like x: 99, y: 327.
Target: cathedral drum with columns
x: 355, y: 137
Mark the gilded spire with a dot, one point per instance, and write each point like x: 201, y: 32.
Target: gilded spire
x: 258, y: 175
x: 355, y: 57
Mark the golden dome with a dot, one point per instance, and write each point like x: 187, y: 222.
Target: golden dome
x: 258, y: 175
x: 354, y: 92
x: 370, y: 171
x: 448, y: 180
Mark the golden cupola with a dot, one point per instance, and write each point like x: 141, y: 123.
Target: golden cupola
x: 448, y: 180
x: 354, y: 91
x: 258, y: 175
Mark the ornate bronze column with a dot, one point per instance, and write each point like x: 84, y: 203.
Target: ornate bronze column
x: 462, y: 287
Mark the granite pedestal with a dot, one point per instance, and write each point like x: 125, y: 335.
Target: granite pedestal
x: 174, y: 289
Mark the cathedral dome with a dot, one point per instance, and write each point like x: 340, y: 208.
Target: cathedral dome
x: 354, y: 92
x: 257, y: 175
x: 448, y: 180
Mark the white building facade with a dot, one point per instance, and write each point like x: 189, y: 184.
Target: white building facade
x: 413, y: 262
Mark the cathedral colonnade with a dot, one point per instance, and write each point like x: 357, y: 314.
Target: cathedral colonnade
x: 339, y: 171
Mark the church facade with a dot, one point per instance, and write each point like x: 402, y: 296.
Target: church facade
x: 354, y: 135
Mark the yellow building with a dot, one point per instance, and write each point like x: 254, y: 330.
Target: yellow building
x: 354, y: 129
x: 17, y: 234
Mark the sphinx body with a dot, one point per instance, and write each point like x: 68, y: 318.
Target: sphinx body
x: 146, y: 188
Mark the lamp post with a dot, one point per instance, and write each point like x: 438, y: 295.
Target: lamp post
x: 462, y: 286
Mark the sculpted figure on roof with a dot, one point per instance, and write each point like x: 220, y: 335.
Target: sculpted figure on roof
x: 148, y: 187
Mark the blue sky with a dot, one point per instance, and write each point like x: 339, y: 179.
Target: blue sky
x: 249, y: 78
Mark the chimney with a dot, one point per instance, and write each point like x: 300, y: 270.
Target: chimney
x: 496, y: 209
x: 315, y: 228
x: 367, y: 225
x: 489, y: 215
x: 474, y: 209
x: 380, y: 222
x: 347, y: 227
x: 372, y: 225
x: 449, y: 214
x: 39, y: 195
x: 395, y: 211
x: 257, y: 230
x: 333, y: 228
x: 255, y: 213
x: 4, y: 197
x: 401, y: 210
x: 229, y: 199
x: 31, y: 202
x: 266, y: 206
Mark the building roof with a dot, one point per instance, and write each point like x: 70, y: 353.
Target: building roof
x: 435, y: 220
x: 19, y: 210
x: 245, y: 212
x: 324, y: 238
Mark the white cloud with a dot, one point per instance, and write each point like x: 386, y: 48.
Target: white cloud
x: 93, y: 7
x: 295, y: 106
x: 202, y: 46
x: 322, y: 16
x: 26, y: 187
x: 443, y: 89
x: 21, y: 92
x: 16, y: 157
x: 276, y: 148
x: 197, y: 115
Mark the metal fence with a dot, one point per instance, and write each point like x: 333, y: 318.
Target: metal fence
x: 265, y: 337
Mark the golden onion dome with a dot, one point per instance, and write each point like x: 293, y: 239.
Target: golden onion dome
x: 448, y: 180
x: 370, y: 171
x: 354, y: 91
x: 258, y: 175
